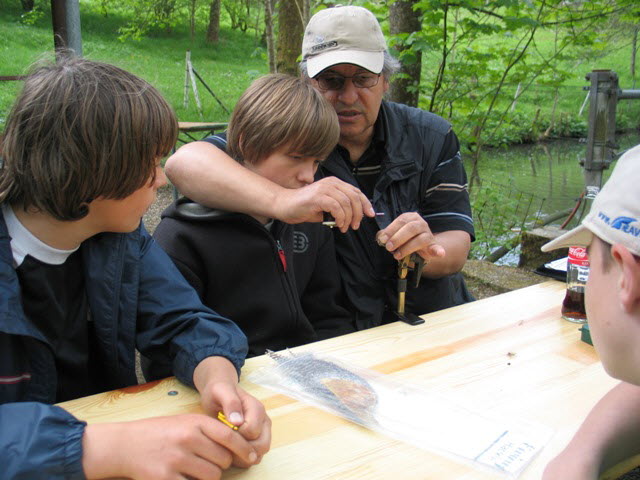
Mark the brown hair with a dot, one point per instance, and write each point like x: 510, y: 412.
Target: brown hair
x: 80, y: 130
x: 279, y: 111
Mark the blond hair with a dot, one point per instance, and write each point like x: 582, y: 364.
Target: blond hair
x: 278, y: 111
x: 80, y: 130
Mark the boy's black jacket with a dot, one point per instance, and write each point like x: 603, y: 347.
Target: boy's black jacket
x: 237, y: 267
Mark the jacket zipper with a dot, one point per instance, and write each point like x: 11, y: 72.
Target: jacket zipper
x: 290, y: 288
x: 283, y: 258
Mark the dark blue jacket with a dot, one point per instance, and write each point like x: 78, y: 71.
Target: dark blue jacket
x: 137, y: 299
x: 420, y: 155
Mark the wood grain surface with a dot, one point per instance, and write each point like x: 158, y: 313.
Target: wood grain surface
x: 508, y: 356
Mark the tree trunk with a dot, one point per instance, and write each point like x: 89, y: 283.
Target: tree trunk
x: 291, y: 28
x: 192, y: 20
x: 213, y: 30
x: 269, y: 34
x: 27, y: 5
x: 403, y: 19
x: 634, y: 50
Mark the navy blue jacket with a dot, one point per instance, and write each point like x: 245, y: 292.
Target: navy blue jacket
x: 137, y: 299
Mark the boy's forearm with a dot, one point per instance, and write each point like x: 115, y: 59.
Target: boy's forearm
x: 616, y: 418
x: 207, y: 175
x: 610, y: 433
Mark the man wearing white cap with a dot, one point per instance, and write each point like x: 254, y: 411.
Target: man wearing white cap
x: 611, y: 233
x: 405, y: 160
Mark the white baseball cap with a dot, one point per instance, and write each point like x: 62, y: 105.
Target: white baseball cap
x: 615, y: 213
x: 348, y: 34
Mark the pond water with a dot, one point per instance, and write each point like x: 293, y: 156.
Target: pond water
x: 545, y: 177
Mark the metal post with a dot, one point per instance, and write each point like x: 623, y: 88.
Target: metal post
x: 603, y: 96
x: 628, y: 94
x: 65, y: 16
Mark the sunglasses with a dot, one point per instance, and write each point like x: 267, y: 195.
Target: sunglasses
x: 333, y: 81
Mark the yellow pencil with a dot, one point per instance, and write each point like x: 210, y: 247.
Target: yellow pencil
x: 224, y: 420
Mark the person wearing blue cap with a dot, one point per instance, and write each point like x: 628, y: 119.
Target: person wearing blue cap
x: 611, y: 233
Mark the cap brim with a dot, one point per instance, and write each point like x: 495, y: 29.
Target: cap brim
x: 372, y: 61
x: 580, y: 236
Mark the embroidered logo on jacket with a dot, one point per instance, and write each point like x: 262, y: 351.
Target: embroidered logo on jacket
x: 300, y: 242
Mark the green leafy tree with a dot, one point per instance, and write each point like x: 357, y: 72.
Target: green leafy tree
x: 149, y: 15
x: 480, y: 50
x: 244, y: 14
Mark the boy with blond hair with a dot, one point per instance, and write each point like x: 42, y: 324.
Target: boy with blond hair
x: 282, y: 129
x: 611, y: 231
x: 83, y: 285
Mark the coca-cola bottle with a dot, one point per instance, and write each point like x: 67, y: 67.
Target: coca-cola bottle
x: 577, y: 274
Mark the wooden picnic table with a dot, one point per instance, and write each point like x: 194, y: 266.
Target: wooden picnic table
x: 510, y: 355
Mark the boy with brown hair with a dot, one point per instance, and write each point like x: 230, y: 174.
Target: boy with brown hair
x: 83, y: 285
x: 281, y: 128
x: 611, y: 231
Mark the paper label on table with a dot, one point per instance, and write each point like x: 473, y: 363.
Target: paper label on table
x: 404, y: 412
x: 510, y: 452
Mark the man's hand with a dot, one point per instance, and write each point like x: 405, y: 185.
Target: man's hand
x: 408, y: 234
x: 209, y: 176
x: 444, y: 252
x: 345, y: 202
x: 216, y: 380
x: 182, y: 446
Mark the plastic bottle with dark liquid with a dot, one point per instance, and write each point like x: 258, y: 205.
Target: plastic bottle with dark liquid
x: 577, y: 274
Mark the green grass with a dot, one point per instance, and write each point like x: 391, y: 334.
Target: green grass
x: 228, y: 67
x: 231, y: 65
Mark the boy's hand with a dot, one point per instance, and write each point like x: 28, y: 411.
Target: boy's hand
x: 345, y: 202
x: 216, y: 380
x: 251, y: 418
x: 191, y: 446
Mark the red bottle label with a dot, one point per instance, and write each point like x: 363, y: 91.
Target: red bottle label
x: 578, y: 256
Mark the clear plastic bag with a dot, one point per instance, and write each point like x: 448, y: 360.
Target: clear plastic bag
x: 404, y: 412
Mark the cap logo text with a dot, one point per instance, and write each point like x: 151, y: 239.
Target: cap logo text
x: 621, y: 223
x: 323, y: 46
